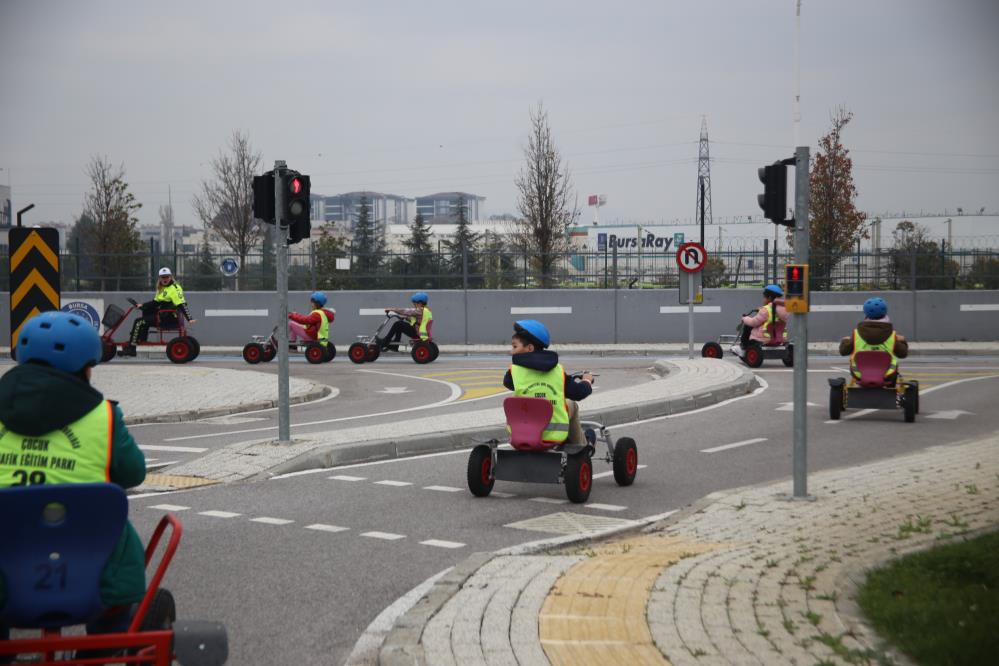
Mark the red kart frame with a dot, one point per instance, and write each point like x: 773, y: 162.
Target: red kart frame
x: 181, y: 348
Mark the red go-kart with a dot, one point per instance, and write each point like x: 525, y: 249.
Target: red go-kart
x: 181, y: 348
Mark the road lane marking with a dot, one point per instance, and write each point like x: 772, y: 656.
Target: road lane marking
x: 219, y: 514
x: 159, y: 464
x: 444, y: 489
x: 604, y: 507
x: 173, y: 449
x: 548, y: 500
x: 789, y: 406
x: 601, y: 475
x: 345, y: 477
x: 500, y: 495
x: 734, y: 445
x: 442, y: 544
x: 271, y: 521
x: 320, y: 527
x: 393, y: 483
x: 387, y: 536
x: 863, y: 412
x: 169, y: 507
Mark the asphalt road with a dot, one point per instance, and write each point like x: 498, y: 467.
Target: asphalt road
x: 297, y: 567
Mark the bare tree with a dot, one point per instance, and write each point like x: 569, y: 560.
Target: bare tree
x: 225, y: 203
x: 111, y: 207
x: 546, y: 201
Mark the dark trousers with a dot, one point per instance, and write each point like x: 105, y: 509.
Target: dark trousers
x: 150, y: 316
x: 398, y: 328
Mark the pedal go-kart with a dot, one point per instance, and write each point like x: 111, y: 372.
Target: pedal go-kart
x: 264, y: 348
x: 181, y: 348
x: 871, y: 391
x: 533, y: 461
x: 751, y: 352
x: 367, y: 349
x: 56, y: 542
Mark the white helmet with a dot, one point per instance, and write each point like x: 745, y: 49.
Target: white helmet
x: 165, y: 271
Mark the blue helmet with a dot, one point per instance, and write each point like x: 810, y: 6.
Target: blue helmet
x: 319, y: 297
x: 420, y: 297
x: 875, y: 308
x: 534, y: 331
x: 62, y: 340
x: 773, y: 289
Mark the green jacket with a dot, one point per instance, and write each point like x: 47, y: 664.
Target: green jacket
x: 35, y: 400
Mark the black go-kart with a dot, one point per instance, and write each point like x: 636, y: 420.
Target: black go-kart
x: 263, y: 348
x: 751, y: 352
x: 368, y: 347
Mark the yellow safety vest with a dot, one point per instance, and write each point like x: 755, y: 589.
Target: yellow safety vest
x: 771, y: 321
x: 550, y: 386
x: 425, y: 320
x: 77, y: 453
x: 324, y: 328
x: 172, y: 293
x: 859, y: 344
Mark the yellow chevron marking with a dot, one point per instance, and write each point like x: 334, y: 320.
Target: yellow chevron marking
x: 34, y: 242
x: 34, y: 279
x: 17, y: 331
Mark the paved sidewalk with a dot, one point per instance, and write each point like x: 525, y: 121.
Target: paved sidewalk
x: 742, y: 577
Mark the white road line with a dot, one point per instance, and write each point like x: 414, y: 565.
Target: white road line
x: 271, y: 521
x: 604, y: 507
x: 758, y: 390
x: 168, y: 507
x: 159, y: 464
x: 393, y: 483
x: 500, y: 495
x: 601, y: 475
x: 235, y: 313
x: 219, y: 514
x: 442, y: 544
x: 443, y: 489
x: 734, y: 445
x: 387, y: 536
x: 346, y: 477
x: 863, y: 412
x: 319, y: 527
x: 172, y: 449
x: 978, y: 307
x: 682, y: 309
x: 334, y: 392
x: 548, y: 500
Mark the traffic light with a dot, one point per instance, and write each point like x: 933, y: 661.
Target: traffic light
x: 796, y: 288
x: 263, y: 197
x: 297, y: 206
x: 774, y: 197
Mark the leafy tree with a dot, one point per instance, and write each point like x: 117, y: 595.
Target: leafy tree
x: 546, y: 200
x: 984, y: 273
x: 328, y: 248
x: 835, y: 224
x: 369, y: 243
x: 715, y: 273
x: 114, y: 241
x: 933, y: 270
x: 422, y: 262
x: 464, y: 241
x: 497, y: 263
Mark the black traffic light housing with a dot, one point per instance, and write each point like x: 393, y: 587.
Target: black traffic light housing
x: 297, y: 206
x: 263, y: 197
x: 774, y: 198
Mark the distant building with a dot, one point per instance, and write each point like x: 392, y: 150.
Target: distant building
x: 385, y: 208
x: 6, y: 209
x: 442, y: 208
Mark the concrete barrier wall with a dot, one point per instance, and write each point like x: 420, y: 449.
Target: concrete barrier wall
x: 594, y: 316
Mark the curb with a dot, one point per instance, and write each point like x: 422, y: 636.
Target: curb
x: 321, y: 391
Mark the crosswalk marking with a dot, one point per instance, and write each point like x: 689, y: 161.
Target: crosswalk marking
x: 271, y: 521
x: 320, y: 527
x: 347, y: 477
x: 387, y: 536
x: 219, y: 514
x: 393, y: 483
x: 442, y: 544
x: 444, y: 489
x: 169, y: 507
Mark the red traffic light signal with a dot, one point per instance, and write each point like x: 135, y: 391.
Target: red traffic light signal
x: 295, y: 186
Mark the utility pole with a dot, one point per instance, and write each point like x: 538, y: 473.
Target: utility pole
x: 799, y: 330
x: 281, y: 243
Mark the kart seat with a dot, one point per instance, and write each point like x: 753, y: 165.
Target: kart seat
x: 527, y: 419
x: 872, y: 366
x: 56, y: 542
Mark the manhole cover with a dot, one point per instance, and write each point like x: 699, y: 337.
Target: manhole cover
x: 564, y: 522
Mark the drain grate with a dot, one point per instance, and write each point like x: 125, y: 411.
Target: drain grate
x: 564, y: 522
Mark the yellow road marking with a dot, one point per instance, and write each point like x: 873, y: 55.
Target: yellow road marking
x: 481, y: 392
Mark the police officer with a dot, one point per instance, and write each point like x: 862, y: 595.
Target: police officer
x: 416, y: 326
x: 56, y: 428
x: 170, y: 296
x: 875, y: 333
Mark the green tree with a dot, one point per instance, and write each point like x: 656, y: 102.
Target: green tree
x: 715, y: 273
x: 369, y: 246
x: 328, y: 249
x: 912, y: 246
x: 463, y: 242
x: 497, y: 262
x: 206, y: 275
x: 114, y: 242
x: 984, y: 273
x: 422, y: 261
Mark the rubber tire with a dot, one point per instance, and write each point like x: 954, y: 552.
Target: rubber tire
x: 789, y: 357
x: 753, y: 355
x: 330, y: 352
x: 179, y: 350
x: 253, y: 352
x: 314, y: 353
x: 108, y: 351
x: 625, y: 461
x: 357, y: 352
x: 909, y: 399
x: 579, y: 477
x: 162, y: 612
x: 480, y: 462
x: 435, y: 350
x: 422, y: 352
x: 712, y: 350
x: 269, y: 353
x: 372, y: 353
x: 835, y: 402
x: 195, y: 347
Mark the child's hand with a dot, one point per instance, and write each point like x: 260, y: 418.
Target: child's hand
x: 587, y: 377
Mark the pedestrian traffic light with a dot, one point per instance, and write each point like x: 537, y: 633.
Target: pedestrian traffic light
x: 263, y: 197
x: 297, y: 206
x: 774, y: 198
x: 796, y: 288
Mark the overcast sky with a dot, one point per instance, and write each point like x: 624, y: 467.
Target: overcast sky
x: 411, y: 98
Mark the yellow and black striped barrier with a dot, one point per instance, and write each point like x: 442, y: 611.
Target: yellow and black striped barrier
x: 34, y: 275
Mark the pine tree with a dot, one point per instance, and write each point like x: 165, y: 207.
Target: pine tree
x: 329, y: 248
x: 464, y: 241
x: 369, y: 244
x: 422, y: 261
x: 206, y: 276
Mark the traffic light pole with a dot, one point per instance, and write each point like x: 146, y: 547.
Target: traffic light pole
x: 799, y: 330
x: 281, y: 243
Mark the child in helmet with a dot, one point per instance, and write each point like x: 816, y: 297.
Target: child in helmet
x: 536, y: 373
x: 875, y: 333
x: 416, y: 326
x: 769, y: 325
x: 312, y: 326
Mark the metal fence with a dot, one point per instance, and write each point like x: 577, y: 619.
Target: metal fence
x: 309, y: 269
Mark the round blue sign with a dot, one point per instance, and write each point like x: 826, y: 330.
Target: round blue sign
x: 229, y: 267
x: 86, y: 311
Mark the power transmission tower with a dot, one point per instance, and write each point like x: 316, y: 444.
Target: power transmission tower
x: 703, y: 179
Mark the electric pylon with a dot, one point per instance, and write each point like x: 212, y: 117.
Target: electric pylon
x: 703, y: 212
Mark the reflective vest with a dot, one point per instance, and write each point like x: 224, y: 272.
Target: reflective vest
x: 172, y: 294
x: 77, y: 453
x: 771, y: 321
x: 323, y: 333
x: 550, y: 386
x: 425, y: 320
x: 859, y: 344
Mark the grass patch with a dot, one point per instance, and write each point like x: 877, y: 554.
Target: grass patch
x: 939, y: 606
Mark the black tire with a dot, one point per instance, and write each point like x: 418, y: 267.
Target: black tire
x: 789, y: 356
x: 480, y: 467
x: 195, y: 345
x: 270, y: 352
x: 162, y: 612
x: 179, y: 350
x: 712, y: 350
x: 435, y: 350
x: 915, y: 390
x: 315, y: 353
x: 108, y: 351
x: 909, y: 400
x: 625, y: 461
x: 579, y: 477
x: 835, y: 402
x: 372, y: 353
x: 753, y: 355
x: 422, y: 352
x: 357, y: 352
x: 253, y: 352
x: 330, y: 352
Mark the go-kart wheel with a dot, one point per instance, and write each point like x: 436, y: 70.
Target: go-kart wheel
x: 835, y: 402
x: 179, y: 350
x: 711, y: 350
x: 314, y: 353
x: 330, y: 352
x: 915, y: 389
x: 108, y: 351
x: 162, y: 612
x: 269, y: 353
x: 357, y: 352
x: 909, y: 403
x: 579, y: 477
x: 422, y: 352
x: 253, y: 352
x: 789, y: 356
x: 372, y: 353
x: 435, y: 351
x: 625, y: 461
x: 480, y: 467
x: 753, y: 355
x: 195, y: 347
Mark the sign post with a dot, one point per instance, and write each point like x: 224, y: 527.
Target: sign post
x: 690, y: 258
x: 799, y: 330
x: 281, y: 243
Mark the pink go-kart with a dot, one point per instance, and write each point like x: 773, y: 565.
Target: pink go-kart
x: 532, y: 460
x: 872, y: 390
